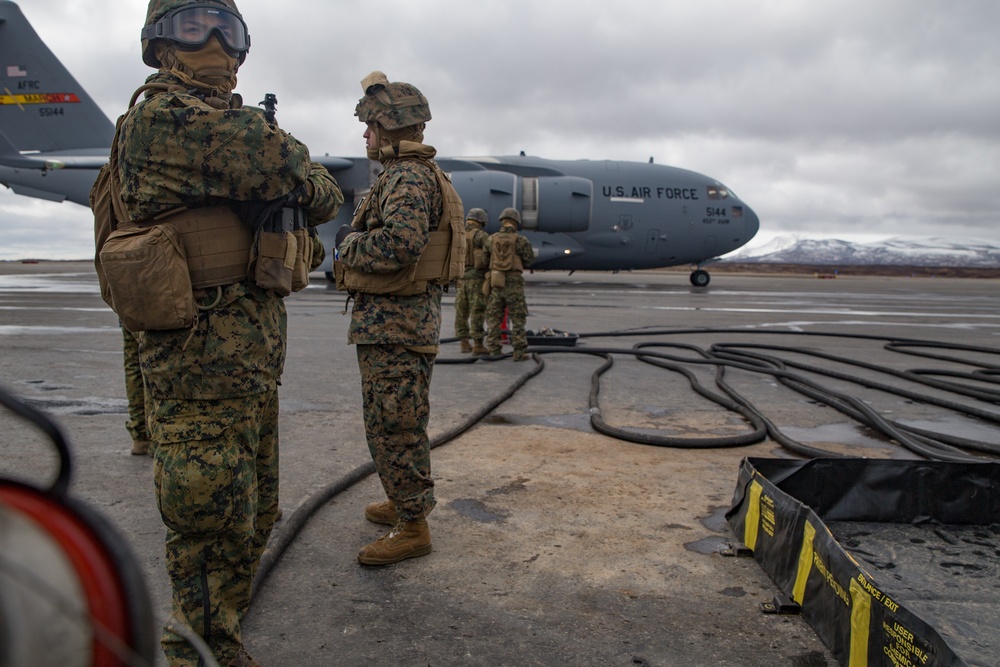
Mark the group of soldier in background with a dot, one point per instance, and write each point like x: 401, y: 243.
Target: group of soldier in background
x: 492, y: 288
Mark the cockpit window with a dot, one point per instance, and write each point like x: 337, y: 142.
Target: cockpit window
x: 717, y: 192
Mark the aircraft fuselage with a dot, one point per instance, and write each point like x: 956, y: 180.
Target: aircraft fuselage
x: 602, y: 215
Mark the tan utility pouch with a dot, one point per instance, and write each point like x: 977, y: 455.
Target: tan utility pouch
x: 497, y: 278
x: 303, y: 259
x: 339, y: 275
x: 147, y: 275
x: 276, y: 253
x: 318, y: 249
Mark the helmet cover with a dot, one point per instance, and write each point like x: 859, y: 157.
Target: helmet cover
x: 477, y: 215
x: 510, y: 214
x: 392, y: 105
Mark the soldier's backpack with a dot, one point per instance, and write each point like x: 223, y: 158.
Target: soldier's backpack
x: 473, y: 256
x: 129, y: 259
x: 503, y: 258
x: 502, y: 252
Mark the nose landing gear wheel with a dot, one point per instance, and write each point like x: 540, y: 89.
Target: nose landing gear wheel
x: 700, y: 278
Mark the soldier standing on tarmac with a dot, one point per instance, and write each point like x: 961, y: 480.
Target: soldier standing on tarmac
x: 190, y: 162
x: 507, y: 254
x: 396, y: 316
x: 135, y: 392
x: 469, y: 301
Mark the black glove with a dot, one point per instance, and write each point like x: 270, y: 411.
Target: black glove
x: 343, y: 232
x: 255, y: 214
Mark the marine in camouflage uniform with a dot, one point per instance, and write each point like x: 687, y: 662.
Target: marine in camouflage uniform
x: 213, y: 409
x: 396, y: 335
x: 470, y: 304
x: 511, y: 295
x: 135, y: 393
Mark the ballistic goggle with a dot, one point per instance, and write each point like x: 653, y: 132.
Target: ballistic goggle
x: 191, y: 26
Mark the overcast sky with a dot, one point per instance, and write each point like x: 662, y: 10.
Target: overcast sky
x: 848, y: 119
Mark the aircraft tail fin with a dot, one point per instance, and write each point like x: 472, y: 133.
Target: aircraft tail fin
x: 42, y: 106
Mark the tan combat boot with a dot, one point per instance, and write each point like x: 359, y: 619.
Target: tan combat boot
x: 408, y: 539
x: 141, y: 447
x: 466, y: 345
x: 479, y: 350
x: 383, y: 512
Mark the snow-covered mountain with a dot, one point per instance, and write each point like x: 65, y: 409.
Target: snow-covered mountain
x: 897, y: 251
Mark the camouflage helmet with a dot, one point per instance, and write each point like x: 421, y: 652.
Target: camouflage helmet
x: 477, y: 215
x: 155, y: 28
x: 510, y: 214
x: 392, y: 105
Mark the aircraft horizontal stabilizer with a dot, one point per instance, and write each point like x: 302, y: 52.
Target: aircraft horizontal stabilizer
x: 333, y: 164
x: 26, y: 191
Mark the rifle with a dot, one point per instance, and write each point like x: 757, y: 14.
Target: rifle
x: 269, y: 103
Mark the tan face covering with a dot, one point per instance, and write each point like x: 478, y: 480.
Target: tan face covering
x: 388, y: 140
x: 208, y: 68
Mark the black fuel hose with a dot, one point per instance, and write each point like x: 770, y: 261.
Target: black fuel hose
x: 745, y: 357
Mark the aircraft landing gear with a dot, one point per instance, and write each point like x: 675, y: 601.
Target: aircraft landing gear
x: 700, y: 278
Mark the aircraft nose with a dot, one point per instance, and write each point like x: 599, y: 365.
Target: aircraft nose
x: 751, y: 222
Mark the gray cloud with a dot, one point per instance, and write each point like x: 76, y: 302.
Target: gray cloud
x: 840, y: 119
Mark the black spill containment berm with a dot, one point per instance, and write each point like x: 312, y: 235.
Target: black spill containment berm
x: 891, y: 562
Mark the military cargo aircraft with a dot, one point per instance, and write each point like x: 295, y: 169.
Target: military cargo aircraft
x: 602, y: 215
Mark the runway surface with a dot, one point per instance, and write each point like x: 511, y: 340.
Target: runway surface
x: 554, y: 543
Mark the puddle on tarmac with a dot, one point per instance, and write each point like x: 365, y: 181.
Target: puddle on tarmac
x: 85, y: 406
x: 707, y: 546
x: 66, y: 283
x: 477, y: 510
x: 717, y: 520
x: 958, y: 426
x: 17, y: 330
x: 62, y: 405
x: 839, y: 433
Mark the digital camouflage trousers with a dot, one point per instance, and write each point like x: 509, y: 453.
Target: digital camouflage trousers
x: 470, y: 309
x: 216, y: 482
x: 395, y: 386
x: 511, y: 298
x: 135, y: 388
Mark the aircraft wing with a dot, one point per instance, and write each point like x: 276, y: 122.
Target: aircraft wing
x: 334, y: 164
x: 46, y: 161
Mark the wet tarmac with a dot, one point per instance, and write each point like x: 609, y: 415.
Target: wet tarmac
x: 555, y: 543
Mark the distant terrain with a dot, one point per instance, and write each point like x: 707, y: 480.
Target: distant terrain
x: 956, y: 258
x: 833, y: 270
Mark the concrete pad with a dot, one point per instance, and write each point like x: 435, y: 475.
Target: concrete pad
x: 553, y: 544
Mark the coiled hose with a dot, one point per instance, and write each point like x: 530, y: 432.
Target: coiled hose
x: 982, y: 383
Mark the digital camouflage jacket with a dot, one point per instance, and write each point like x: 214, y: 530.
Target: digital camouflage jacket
x: 406, y: 207
x: 176, y: 150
